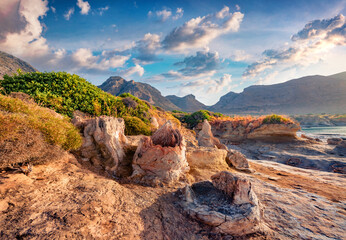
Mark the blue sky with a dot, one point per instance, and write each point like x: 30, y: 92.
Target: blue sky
x: 206, y: 48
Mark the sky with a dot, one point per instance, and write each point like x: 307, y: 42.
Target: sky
x: 205, y: 48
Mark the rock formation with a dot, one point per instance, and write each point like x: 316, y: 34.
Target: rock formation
x: 161, y: 157
x: 237, y: 160
x: 227, y: 132
x: 206, y: 138
x: 104, y: 141
x: 228, y: 204
x: 206, y: 158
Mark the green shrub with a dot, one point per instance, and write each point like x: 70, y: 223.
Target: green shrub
x: 65, y: 93
x: 14, y: 114
x: 275, y: 119
x: 135, y: 126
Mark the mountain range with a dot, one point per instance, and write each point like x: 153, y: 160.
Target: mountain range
x: 9, y: 65
x: 311, y: 94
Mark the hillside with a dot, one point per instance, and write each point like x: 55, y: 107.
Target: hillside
x: 116, y: 85
x: 311, y: 94
x: 189, y: 103
x: 9, y: 65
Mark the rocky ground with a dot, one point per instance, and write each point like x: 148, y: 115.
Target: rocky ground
x: 302, y: 153
x: 63, y: 199
x: 118, y: 187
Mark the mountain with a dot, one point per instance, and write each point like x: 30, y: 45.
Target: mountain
x: 116, y: 85
x: 311, y: 94
x: 9, y: 65
x: 189, y: 103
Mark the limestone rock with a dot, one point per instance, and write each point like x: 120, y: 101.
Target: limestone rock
x: 104, y: 141
x: 237, y: 160
x: 160, y: 157
x: 206, y: 157
x: 228, y: 204
x: 275, y: 130
x: 206, y: 138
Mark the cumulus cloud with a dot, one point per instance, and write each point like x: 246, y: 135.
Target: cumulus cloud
x: 147, y: 47
x: 135, y: 70
x: 221, y: 84
x: 209, y: 85
x: 198, y: 32
x: 178, y: 13
x: 69, y: 13
x: 165, y: 14
x: 203, y: 63
x: 306, y: 47
x: 84, y: 7
x: 28, y: 43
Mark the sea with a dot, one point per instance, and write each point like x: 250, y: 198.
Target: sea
x: 324, y: 133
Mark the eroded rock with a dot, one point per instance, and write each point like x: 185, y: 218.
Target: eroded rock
x: 206, y: 157
x: 161, y: 157
x: 206, y: 138
x: 237, y: 160
x: 104, y: 142
x: 228, y: 204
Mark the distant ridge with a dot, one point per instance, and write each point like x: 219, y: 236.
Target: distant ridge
x: 117, y: 85
x: 311, y: 94
x: 189, y: 103
x: 9, y: 65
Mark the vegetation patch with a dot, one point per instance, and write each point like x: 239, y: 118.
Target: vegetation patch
x: 29, y: 133
x: 65, y: 93
x: 135, y: 126
x: 191, y: 120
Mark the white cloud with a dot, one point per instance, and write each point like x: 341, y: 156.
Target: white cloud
x: 178, y: 14
x: 135, y: 70
x: 53, y: 9
x: 147, y: 47
x: 84, y: 7
x: 221, y: 84
x: 165, y: 14
x: 240, y: 55
x: 101, y: 10
x: 68, y: 14
x: 307, y: 47
x: 237, y: 7
x: 199, y: 32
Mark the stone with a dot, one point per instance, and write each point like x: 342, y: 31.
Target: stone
x: 206, y: 157
x: 104, y: 141
x: 206, y: 138
x: 237, y: 160
x: 228, y: 204
x: 154, y: 123
x: 161, y: 157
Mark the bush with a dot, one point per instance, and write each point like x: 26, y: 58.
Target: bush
x: 135, y: 126
x: 276, y: 119
x: 191, y: 120
x: 66, y: 93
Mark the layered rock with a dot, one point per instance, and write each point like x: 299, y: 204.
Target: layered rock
x: 104, y: 141
x: 227, y: 132
x: 228, y: 204
x: 161, y: 157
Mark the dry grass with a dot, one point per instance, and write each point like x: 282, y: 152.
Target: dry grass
x: 29, y: 133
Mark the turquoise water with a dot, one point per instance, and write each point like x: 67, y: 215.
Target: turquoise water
x: 325, y: 132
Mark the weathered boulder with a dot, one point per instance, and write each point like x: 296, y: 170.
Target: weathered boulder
x: 104, y: 142
x: 206, y: 157
x: 237, y: 160
x: 161, y: 157
x: 154, y: 123
x: 206, y: 138
x: 228, y: 204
